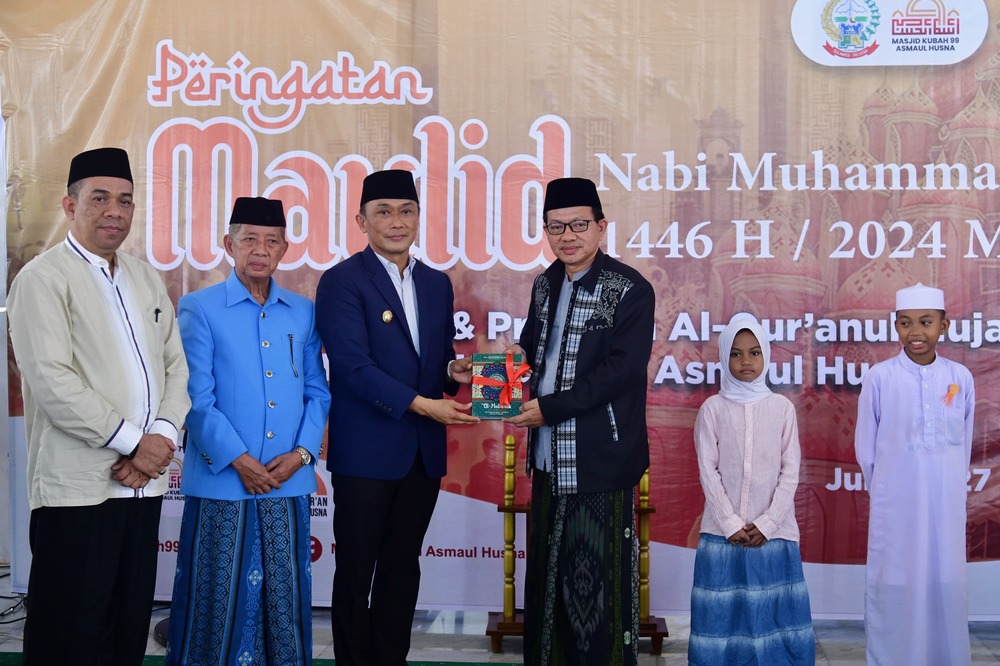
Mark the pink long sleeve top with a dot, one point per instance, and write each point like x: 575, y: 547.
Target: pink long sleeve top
x: 748, y: 462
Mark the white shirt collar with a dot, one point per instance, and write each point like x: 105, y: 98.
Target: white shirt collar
x: 393, y: 268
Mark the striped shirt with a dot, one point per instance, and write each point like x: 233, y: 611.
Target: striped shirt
x: 748, y: 461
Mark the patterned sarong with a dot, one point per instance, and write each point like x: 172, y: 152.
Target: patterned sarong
x: 243, y: 587
x: 582, y: 581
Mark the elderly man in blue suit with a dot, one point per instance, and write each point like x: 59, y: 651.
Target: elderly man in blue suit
x: 243, y: 588
x: 387, y: 326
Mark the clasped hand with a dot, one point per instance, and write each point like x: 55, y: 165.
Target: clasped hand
x: 749, y: 536
x: 153, y: 454
x: 260, y: 479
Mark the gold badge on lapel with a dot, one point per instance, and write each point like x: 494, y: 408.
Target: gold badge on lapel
x: 387, y: 316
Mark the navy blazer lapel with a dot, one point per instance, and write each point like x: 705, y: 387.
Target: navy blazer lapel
x: 425, y: 305
x: 383, y: 283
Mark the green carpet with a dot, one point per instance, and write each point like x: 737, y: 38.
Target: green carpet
x: 14, y: 659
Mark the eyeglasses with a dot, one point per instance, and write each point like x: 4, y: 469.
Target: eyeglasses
x: 559, y: 228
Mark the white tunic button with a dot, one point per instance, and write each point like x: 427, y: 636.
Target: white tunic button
x: 269, y: 374
x: 270, y: 435
x: 265, y: 344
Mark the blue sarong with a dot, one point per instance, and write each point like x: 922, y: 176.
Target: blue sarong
x: 749, y: 605
x: 243, y: 586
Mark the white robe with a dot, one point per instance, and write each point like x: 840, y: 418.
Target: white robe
x: 914, y: 450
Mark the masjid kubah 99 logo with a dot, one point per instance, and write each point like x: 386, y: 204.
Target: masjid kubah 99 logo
x: 873, y: 33
x: 850, y: 26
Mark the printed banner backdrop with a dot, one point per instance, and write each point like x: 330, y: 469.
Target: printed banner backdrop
x: 740, y: 166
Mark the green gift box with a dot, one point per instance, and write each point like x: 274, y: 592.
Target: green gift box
x: 496, y: 380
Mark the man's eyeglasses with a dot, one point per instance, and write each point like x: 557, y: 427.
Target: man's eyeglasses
x: 559, y: 228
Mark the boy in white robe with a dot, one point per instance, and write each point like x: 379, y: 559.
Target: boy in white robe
x: 913, y: 442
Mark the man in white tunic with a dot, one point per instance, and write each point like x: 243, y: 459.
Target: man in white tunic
x: 105, y: 393
x: 913, y: 443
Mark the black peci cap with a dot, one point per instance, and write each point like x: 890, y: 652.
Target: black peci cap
x: 389, y: 184
x: 570, y: 192
x: 259, y: 211
x: 111, y: 162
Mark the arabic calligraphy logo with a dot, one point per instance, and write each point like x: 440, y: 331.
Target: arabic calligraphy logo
x: 923, y: 17
x: 851, y: 25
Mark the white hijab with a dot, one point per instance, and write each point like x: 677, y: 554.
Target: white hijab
x: 732, y: 388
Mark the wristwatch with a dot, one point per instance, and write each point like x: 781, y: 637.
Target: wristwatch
x: 306, y: 456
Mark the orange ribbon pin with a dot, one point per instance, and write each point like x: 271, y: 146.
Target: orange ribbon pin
x: 952, y: 392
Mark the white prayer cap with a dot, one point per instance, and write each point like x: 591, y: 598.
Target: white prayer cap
x: 919, y: 297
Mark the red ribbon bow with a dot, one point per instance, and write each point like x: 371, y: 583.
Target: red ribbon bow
x: 507, y: 387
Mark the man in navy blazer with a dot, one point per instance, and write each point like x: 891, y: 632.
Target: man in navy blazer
x: 387, y: 326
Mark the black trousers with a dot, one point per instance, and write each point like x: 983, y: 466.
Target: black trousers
x: 91, y: 584
x: 379, y: 529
